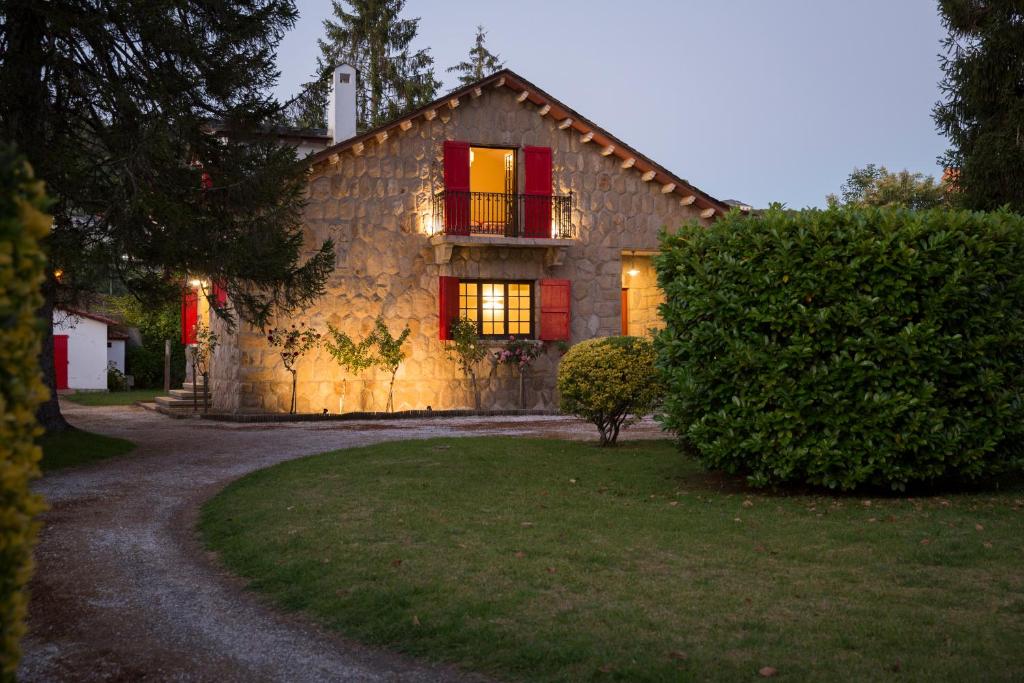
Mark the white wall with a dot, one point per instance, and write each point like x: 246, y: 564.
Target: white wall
x: 115, y: 353
x: 87, y: 350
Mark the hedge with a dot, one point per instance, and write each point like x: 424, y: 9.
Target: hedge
x: 849, y: 347
x: 22, y: 225
x: 609, y: 381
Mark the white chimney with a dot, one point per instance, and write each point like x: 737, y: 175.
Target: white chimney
x: 341, y: 105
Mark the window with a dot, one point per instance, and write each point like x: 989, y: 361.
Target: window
x: 499, y: 309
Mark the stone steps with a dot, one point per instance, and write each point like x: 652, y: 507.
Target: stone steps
x: 186, y: 400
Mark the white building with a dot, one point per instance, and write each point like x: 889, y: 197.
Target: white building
x: 82, y: 347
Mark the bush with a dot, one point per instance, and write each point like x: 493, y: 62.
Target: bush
x: 116, y: 381
x: 145, y: 363
x: 847, y: 347
x: 611, y: 381
x: 22, y: 225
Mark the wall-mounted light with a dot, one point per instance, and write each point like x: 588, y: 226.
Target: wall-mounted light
x: 196, y: 283
x: 632, y: 272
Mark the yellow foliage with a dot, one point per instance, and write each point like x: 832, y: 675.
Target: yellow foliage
x: 610, y: 381
x: 23, y: 224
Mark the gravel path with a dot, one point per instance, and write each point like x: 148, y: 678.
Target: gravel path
x: 124, y: 591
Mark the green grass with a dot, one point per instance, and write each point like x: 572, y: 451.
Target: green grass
x: 113, y: 398
x: 77, y: 447
x: 547, y: 560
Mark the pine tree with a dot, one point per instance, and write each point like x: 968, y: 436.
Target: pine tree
x: 482, y: 62
x: 983, y: 109
x: 146, y: 122
x: 392, y: 79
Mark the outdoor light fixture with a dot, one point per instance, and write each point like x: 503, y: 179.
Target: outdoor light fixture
x: 196, y: 283
x: 632, y: 272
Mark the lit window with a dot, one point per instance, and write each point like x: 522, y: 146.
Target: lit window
x: 498, y: 308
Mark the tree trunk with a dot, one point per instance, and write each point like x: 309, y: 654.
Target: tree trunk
x: 195, y: 380
x: 206, y: 392
x: 391, y: 394
x: 49, y: 414
x: 292, y: 409
x: 474, y: 388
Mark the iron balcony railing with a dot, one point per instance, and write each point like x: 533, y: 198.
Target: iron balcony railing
x: 503, y: 215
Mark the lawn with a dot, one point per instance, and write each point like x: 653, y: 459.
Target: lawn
x: 546, y: 560
x: 113, y: 398
x: 77, y: 447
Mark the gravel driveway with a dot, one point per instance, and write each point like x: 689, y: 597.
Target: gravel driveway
x: 124, y: 591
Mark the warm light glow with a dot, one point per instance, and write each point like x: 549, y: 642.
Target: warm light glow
x: 492, y: 303
x: 472, y: 157
x: 632, y: 272
x: 196, y: 283
x: 57, y: 274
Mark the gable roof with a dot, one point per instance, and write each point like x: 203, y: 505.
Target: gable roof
x: 79, y: 313
x: 568, y: 120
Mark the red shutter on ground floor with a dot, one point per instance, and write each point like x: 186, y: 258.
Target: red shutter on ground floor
x: 456, y: 187
x: 189, y: 316
x: 555, y: 301
x: 537, y: 203
x: 448, y: 305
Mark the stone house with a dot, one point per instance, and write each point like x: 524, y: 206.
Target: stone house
x: 496, y: 203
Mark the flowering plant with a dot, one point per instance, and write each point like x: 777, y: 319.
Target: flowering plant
x: 518, y: 352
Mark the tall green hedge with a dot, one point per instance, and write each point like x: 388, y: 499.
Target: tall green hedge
x: 22, y: 225
x: 848, y: 347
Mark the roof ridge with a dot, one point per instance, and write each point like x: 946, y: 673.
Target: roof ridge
x: 570, y: 120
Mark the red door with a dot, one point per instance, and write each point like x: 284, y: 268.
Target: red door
x: 625, y: 312
x: 60, y: 360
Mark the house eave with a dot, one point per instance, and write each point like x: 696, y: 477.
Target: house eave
x: 568, y: 120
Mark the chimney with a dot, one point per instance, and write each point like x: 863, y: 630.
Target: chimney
x: 341, y: 106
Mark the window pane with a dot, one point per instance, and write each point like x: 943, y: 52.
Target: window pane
x: 467, y: 300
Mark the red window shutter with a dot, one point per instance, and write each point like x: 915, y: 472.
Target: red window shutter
x: 554, y: 309
x: 189, y: 316
x: 220, y: 295
x: 456, y: 187
x: 537, y: 209
x: 448, y: 304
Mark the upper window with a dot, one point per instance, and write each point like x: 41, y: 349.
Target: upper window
x: 498, y: 308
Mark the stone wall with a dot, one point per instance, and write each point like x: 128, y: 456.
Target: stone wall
x: 376, y: 208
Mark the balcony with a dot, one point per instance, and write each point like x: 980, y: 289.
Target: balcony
x: 504, y: 216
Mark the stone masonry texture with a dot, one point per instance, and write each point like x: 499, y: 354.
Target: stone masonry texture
x: 376, y: 206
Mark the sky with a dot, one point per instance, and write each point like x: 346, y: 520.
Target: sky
x: 756, y: 100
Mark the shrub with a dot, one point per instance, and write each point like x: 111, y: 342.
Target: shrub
x: 465, y: 348
x: 611, y: 381
x: 116, y: 381
x: 847, y: 347
x: 22, y: 225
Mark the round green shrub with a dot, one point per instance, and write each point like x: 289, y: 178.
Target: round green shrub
x: 610, y: 381
x: 848, y: 347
